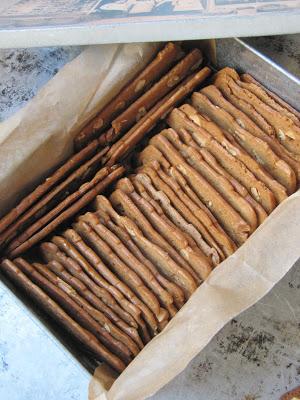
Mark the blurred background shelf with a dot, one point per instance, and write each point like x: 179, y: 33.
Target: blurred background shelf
x: 31, y: 23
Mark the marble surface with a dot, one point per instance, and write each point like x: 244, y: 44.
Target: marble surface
x: 256, y: 356
x: 24, y: 71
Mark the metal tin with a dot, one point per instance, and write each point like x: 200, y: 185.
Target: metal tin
x: 230, y: 52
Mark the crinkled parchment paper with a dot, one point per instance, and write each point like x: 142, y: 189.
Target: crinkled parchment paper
x: 40, y: 136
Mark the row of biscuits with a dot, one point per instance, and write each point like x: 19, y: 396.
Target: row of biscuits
x: 111, y: 280
x: 72, y: 186
x: 118, y: 274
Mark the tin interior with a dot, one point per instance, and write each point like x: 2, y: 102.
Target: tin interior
x: 228, y: 52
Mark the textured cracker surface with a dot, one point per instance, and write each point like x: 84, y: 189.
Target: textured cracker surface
x: 256, y: 356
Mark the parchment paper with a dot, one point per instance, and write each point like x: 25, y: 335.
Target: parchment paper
x: 39, y: 136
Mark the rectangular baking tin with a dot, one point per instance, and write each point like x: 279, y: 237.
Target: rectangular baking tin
x: 230, y: 52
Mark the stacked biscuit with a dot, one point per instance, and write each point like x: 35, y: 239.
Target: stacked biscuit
x: 165, y: 73
x: 118, y: 274
x: 168, y: 78
x: 237, y: 171
x: 56, y: 200
x: 145, y: 101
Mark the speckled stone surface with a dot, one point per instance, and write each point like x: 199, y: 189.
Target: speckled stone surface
x: 24, y: 71
x: 256, y: 356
